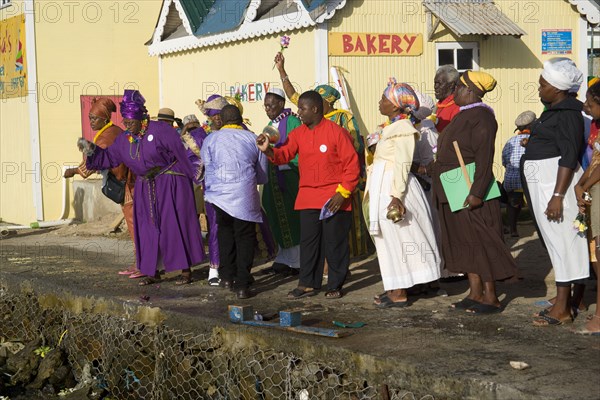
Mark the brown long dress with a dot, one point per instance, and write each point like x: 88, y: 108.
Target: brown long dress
x: 121, y: 172
x: 472, y: 240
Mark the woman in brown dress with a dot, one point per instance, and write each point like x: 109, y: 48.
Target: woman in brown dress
x: 106, y: 133
x: 472, y: 240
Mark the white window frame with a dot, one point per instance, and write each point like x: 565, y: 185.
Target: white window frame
x: 455, y: 46
x: 5, y: 3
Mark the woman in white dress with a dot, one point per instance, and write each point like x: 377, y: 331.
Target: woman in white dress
x: 407, y: 250
x: 551, y: 169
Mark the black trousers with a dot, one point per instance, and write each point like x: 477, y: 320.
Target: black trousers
x: 237, y: 240
x: 320, y: 240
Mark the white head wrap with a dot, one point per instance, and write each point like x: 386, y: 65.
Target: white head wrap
x: 562, y: 73
x: 426, y: 105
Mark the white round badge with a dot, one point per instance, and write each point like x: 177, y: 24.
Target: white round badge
x: 323, y: 148
x: 150, y: 138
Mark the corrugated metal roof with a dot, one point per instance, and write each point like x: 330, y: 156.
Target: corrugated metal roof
x: 473, y: 17
x: 196, y: 11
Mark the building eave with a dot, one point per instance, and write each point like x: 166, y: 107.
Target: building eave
x: 588, y: 10
x: 247, y: 30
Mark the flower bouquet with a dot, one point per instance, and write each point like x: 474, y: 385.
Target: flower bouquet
x: 284, y: 42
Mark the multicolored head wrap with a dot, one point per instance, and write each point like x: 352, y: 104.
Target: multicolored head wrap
x: 103, y: 107
x: 212, y: 106
x: 592, y: 80
x: 479, y: 82
x: 132, y: 105
x: 328, y: 93
x: 402, y: 95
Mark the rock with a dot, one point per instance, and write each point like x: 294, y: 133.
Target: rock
x: 49, y: 364
x: 24, y: 364
x: 519, y: 365
x: 60, y: 375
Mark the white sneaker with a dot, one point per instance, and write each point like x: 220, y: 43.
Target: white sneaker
x: 213, y: 277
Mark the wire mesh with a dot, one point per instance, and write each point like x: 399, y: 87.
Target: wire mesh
x: 130, y: 360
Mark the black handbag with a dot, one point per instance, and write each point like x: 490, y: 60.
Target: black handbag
x: 114, y: 189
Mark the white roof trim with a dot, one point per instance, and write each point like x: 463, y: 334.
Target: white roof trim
x: 588, y: 9
x: 332, y: 7
x: 162, y: 20
x: 248, y: 28
x: 183, y: 16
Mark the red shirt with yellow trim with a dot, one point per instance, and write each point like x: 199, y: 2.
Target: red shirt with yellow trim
x: 326, y: 159
x: 446, y: 110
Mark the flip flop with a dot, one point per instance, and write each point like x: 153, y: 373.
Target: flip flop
x: 136, y: 275
x: 464, y: 304
x: 546, y: 320
x: 386, y: 302
x: 545, y: 311
x: 483, y: 309
x: 128, y: 271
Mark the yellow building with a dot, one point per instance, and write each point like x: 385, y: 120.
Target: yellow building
x: 70, y: 49
x: 407, y: 39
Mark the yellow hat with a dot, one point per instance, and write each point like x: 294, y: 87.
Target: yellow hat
x: 479, y: 82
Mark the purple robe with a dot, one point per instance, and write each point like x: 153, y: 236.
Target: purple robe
x: 199, y: 135
x: 164, y: 209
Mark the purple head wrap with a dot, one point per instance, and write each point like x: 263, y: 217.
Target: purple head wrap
x: 132, y: 105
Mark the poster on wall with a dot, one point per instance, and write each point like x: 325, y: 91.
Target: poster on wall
x: 557, y: 41
x: 13, y: 60
x: 375, y: 44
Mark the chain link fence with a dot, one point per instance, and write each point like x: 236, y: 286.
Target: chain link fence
x: 119, y: 358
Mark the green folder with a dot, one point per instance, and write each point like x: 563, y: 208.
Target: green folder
x: 456, y: 189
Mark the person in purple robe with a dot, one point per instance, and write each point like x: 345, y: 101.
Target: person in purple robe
x: 233, y: 168
x: 168, y: 232
x: 193, y: 135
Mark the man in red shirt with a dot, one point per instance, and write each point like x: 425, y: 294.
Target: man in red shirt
x: 444, y: 83
x: 329, y: 171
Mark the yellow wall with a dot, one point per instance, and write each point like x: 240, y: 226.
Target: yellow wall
x: 83, y: 48
x: 197, y: 74
x: 16, y: 193
x: 16, y: 185
x: 515, y: 63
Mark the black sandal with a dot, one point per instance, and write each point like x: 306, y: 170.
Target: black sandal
x: 334, y: 294
x: 464, y: 304
x: 184, y: 279
x: 149, y: 280
x: 301, y: 292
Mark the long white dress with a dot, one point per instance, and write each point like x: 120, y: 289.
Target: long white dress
x: 407, y: 251
x: 567, y: 248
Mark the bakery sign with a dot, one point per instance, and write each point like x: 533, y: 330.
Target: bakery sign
x: 375, y: 44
